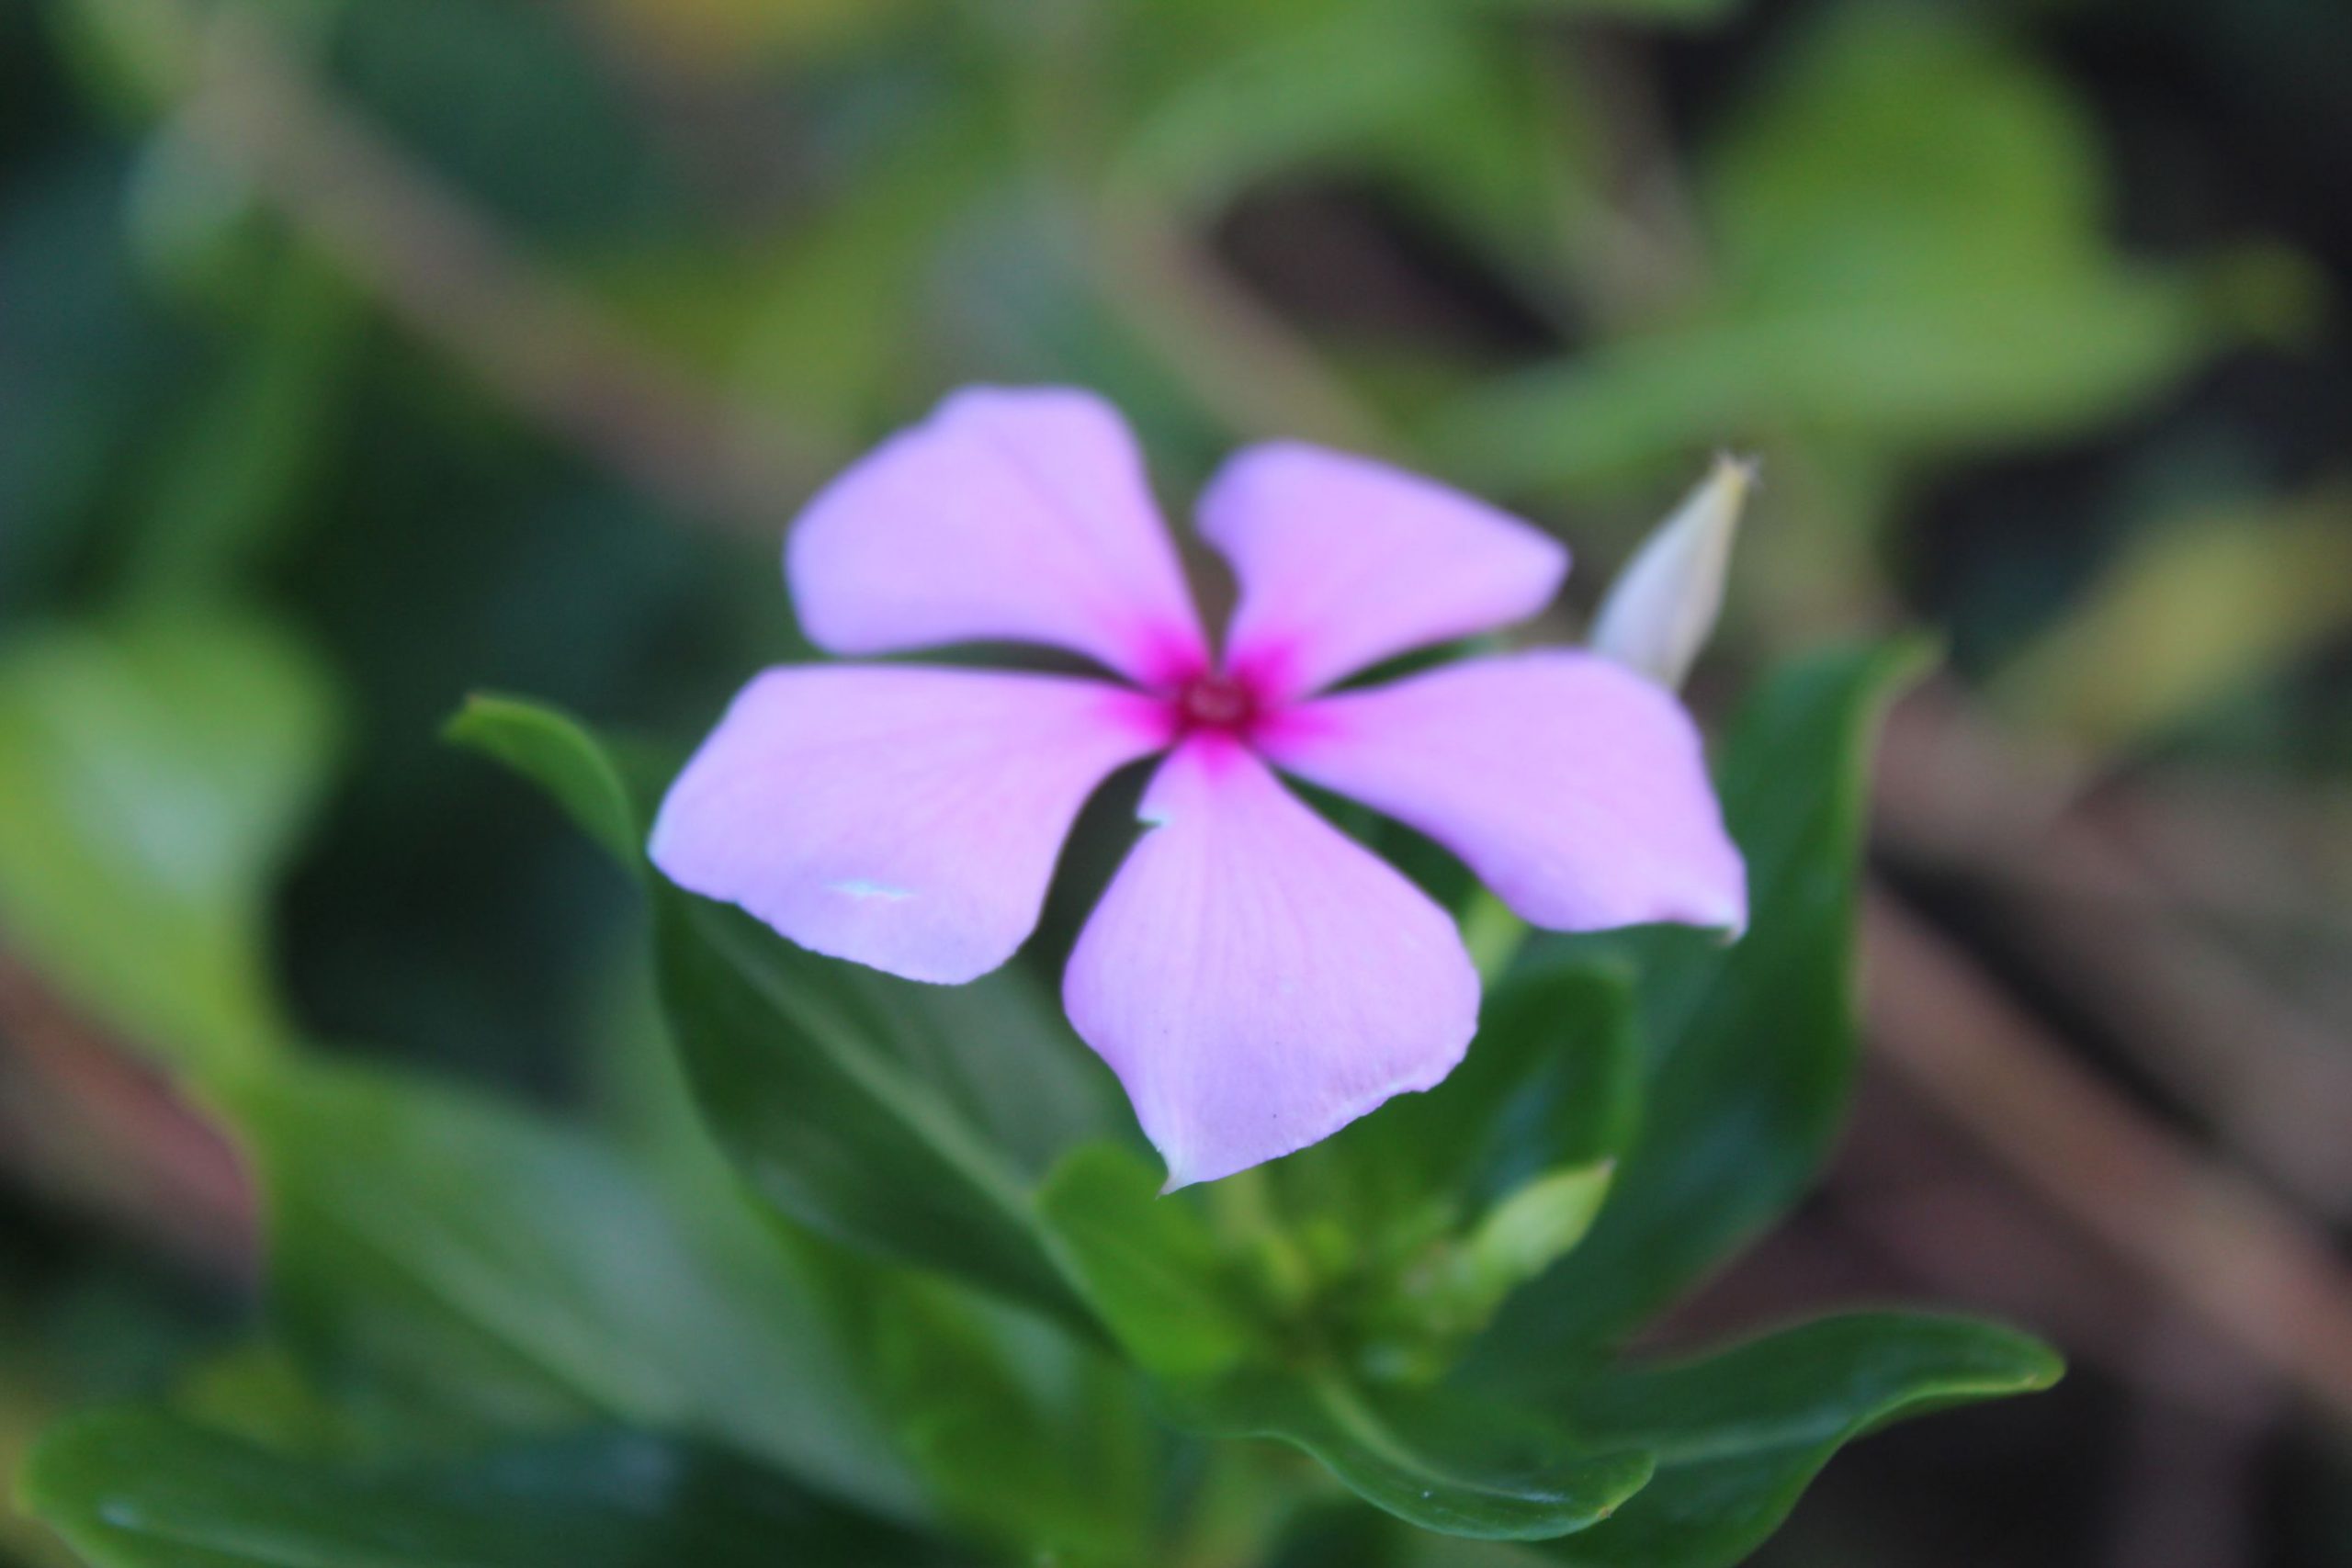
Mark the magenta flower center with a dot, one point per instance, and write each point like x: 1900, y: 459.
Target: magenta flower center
x: 1214, y: 699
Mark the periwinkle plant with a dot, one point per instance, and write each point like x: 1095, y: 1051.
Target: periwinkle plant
x: 934, y: 1304
x: 1256, y: 977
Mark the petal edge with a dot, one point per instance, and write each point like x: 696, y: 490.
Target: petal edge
x: 1576, y: 789
x: 903, y: 818
x: 1257, y: 980
x: 1013, y: 515
x: 1344, y: 562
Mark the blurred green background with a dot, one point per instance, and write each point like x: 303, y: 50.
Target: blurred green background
x: 355, y: 354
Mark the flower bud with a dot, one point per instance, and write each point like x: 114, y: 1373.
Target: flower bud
x: 1662, y: 608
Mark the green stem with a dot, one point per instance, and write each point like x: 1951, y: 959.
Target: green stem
x: 1243, y: 1204
x: 1493, y: 934
x: 1245, y: 1501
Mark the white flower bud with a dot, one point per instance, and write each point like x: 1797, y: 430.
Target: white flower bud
x: 1662, y: 608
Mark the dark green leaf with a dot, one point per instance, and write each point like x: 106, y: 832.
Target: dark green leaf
x: 514, y: 108
x: 553, y: 752
x: 1426, y: 1214
x: 1750, y: 1047
x: 453, y: 1254
x: 1228, y: 1369
x: 1550, y: 1082
x: 862, y: 1108
x: 1025, y: 1437
x: 1460, y: 1467
x: 797, y: 1077
x: 1150, y: 1266
x: 139, y: 1489
x: 1739, y: 1433
x: 237, y: 470
x: 92, y: 362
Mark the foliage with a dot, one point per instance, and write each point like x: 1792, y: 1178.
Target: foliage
x: 1416, y: 1304
x: 893, y: 1283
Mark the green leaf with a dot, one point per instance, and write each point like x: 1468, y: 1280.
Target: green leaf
x: 862, y: 1108
x: 1528, y: 1231
x: 1026, y: 1437
x: 154, y: 774
x: 2200, y: 607
x: 140, y: 1489
x: 1228, y: 1368
x: 1552, y: 1082
x: 1442, y: 1462
x: 1909, y: 255
x: 1430, y: 1212
x: 1150, y: 1266
x: 795, y: 1075
x: 1751, y: 1046
x: 1740, y: 1433
x: 1313, y: 91
x: 553, y: 750
x: 1954, y: 124
x: 463, y: 1259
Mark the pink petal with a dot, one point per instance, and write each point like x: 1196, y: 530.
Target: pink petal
x: 904, y: 818
x: 1576, y: 788
x: 1257, y: 979
x: 1344, y: 562
x: 1017, y: 515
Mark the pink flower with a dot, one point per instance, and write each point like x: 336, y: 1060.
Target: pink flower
x: 1256, y: 977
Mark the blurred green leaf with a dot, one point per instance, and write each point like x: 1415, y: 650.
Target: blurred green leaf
x: 1739, y: 1433
x: 1750, y: 1047
x: 259, y: 1392
x: 1908, y: 252
x: 1912, y: 378
x: 234, y: 472
x: 836, y: 1095
x: 830, y: 318
x: 470, y: 1261
x: 134, y: 1488
x: 90, y: 365
x: 1900, y: 153
x: 730, y: 37
x: 1228, y: 1368
x: 155, y: 772
x: 1659, y: 11
x: 2198, y: 608
x: 515, y: 108
x: 1322, y: 92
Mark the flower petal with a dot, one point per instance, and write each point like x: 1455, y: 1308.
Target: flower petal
x: 1011, y: 514
x: 905, y: 818
x: 1576, y: 789
x: 1344, y: 562
x: 1257, y: 979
